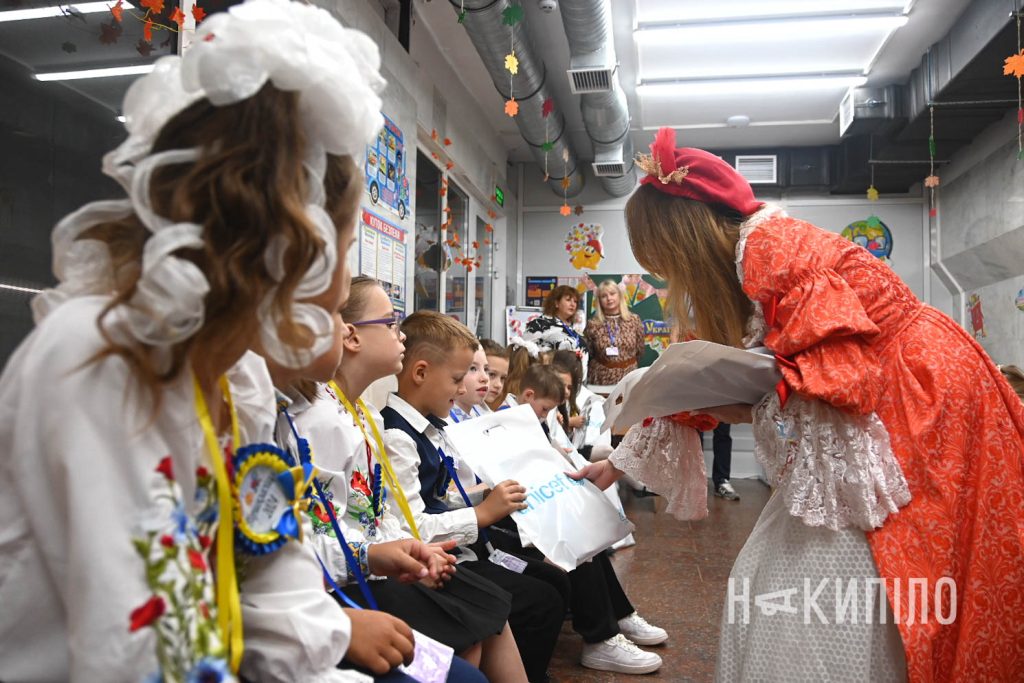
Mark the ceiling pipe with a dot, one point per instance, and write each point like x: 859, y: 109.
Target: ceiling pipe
x: 491, y: 38
x: 588, y: 28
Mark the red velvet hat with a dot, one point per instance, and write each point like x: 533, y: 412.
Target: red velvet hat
x: 695, y: 174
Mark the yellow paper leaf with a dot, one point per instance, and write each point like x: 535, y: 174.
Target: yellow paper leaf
x: 872, y: 194
x: 512, y: 63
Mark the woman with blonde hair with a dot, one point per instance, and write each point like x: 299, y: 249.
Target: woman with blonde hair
x: 614, y: 335
x: 894, y: 445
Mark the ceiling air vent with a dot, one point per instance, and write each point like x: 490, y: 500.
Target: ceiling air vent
x: 591, y: 72
x: 609, y: 163
x: 758, y: 169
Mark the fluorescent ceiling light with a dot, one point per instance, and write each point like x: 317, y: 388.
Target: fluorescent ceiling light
x: 650, y: 11
x: 770, y: 31
x: 121, y: 118
x: 96, y: 73
x: 55, y: 11
x: 748, y: 86
x: 752, y: 124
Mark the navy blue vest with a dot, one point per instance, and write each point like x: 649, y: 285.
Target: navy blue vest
x: 434, y: 478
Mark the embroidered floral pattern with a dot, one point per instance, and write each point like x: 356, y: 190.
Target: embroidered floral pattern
x: 181, y: 607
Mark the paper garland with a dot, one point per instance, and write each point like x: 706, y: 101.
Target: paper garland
x: 1014, y: 66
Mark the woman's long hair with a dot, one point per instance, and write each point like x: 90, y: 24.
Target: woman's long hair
x: 693, y: 247
x: 248, y: 187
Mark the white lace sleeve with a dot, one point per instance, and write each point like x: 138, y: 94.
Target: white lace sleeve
x: 667, y: 457
x: 833, y: 469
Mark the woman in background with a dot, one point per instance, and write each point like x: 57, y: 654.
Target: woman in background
x: 615, y: 337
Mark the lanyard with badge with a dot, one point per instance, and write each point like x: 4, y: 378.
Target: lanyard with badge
x: 432, y: 660
x: 257, y: 508
x: 613, y: 350
x: 498, y: 557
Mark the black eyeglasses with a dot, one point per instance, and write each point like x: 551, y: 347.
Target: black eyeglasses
x: 391, y: 323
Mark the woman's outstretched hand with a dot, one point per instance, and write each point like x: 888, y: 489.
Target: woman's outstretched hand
x: 602, y: 474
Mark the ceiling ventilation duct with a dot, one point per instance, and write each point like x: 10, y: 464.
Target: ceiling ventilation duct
x: 483, y: 22
x: 758, y: 169
x: 592, y: 65
x: 868, y: 110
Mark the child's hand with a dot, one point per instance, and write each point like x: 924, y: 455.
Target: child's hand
x: 576, y: 422
x: 603, y: 474
x: 506, y: 498
x: 441, y: 564
x: 380, y: 642
x: 561, y: 420
x: 407, y: 559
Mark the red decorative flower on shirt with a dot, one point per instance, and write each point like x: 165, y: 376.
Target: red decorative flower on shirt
x: 167, y: 541
x: 204, y: 541
x: 359, y: 484
x: 166, y: 468
x: 196, y: 559
x: 147, y: 613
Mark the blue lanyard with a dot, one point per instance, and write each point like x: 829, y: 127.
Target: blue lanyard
x: 571, y: 332
x: 611, y: 335
x: 449, y: 464
x: 350, y: 558
x: 455, y: 418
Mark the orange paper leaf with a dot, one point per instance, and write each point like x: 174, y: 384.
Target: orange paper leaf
x: 118, y: 11
x: 147, y: 30
x: 512, y: 107
x: 1014, y: 65
x: 488, y: 227
x: 433, y: 134
x: 157, y: 6
x: 476, y: 245
x: 931, y: 181
x: 447, y: 142
x: 178, y: 17
x: 198, y: 13
x: 565, y: 210
x: 491, y: 214
x: 449, y: 166
x: 565, y: 183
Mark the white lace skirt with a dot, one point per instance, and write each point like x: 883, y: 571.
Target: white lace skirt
x: 781, y: 637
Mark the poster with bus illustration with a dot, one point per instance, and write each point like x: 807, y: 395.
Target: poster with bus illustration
x: 386, y: 182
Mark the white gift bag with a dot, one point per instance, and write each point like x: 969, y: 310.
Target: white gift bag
x: 569, y: 521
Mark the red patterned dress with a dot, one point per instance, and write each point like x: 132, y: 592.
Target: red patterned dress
x: 873, y: 373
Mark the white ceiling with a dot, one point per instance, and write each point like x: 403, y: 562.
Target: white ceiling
x: 783, y: 117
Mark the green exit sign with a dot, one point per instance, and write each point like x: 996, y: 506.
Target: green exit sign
x: 499, y: 196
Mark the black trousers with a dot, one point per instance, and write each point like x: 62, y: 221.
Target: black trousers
x: 721, y: 445
x: 595, y: 595
x: 538, y: 610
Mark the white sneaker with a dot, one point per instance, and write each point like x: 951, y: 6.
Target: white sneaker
x: 620, y: 655
x: 636, y: 628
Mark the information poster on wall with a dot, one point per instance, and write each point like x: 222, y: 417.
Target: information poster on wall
x: 386, y: 183
x: 382, y: 255
x: 539, y: 287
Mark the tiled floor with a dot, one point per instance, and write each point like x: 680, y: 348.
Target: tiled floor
x: 676, y: 578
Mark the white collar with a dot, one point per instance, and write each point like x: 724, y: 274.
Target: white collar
x: 415, y: 418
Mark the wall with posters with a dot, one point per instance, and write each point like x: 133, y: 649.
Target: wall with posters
x: 382, y: 255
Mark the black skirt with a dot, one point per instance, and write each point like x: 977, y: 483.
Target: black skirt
x: 467, y: 610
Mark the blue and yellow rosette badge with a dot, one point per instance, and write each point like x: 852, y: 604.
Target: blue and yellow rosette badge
x: 268, y: 493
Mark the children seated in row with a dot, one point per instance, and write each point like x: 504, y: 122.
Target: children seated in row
x: 122, y: 413
x: 461, y: 610
x: 439, y: 351
x: 601, y: 612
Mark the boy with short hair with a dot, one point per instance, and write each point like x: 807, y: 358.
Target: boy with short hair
x: 438, y: 353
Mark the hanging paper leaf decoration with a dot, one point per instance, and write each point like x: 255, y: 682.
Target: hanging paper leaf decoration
x: 157, y: 6
x: 548, y: 146
x: 512, y: 107
x: 476, y: 245
x: 1020, y: 115
x: 433, y: 134
x: 143, y: 48
x: 565, y: 155
x: 68, y: 47
x: 873, y: 221
x: 488, y: 227
x: 547, y: 107
x: 198, y: 13
x: 931, y: 146
x: 117, y: 11
x: 933, y: 212
x: 462, y: 17
x: 872, y: 194
x: 487, y: 242
x: 178, y: 17
x: 512, y: 15
x: 449, y: 165
x: 565, y: 183
x: 1014, y: 65
x: 512, y: 63
x: 109, y: 33
x: 547, y: 177
x: 447, y: 142
x: 578, y: 209
x: 931, y: 181
x: 147, y: 31
x: 491, y: 214
x: 565, y: 210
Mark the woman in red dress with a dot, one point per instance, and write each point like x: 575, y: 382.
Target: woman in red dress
x: 894, y: 445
